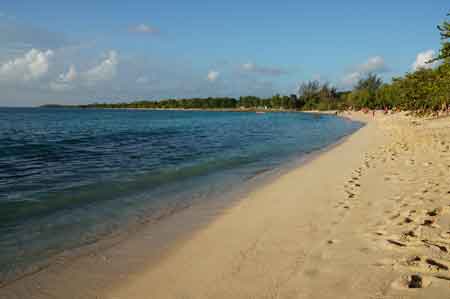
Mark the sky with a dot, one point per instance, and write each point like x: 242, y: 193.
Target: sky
x: 77, y: 52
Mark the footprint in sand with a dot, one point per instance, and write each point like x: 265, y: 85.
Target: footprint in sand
x: 395, y: 216
x: 429, y: 223
x: 434, y: 212
x: 436, y: 245
x: 425, y: 270
x: 424, y: 264
x: 414, y: 281
x: 396, y: 243
x: 408, y: 220
x: 413, y: 233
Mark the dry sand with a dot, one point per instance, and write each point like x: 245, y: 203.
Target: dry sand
x: 368, y: 219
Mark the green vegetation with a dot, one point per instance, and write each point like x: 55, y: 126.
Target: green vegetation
x: 208, y: 103
x: 247, y: 102
x: 425, y: 90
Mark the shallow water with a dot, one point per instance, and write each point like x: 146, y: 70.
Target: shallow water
x: 69, y: 177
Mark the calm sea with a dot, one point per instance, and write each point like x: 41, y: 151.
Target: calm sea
x: 69, y: 177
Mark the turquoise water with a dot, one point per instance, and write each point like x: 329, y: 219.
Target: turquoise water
x: 69, y: 177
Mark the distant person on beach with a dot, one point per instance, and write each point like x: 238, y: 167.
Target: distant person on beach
x: 373, y: 113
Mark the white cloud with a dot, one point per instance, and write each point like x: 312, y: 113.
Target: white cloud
x: 32, y: 66
x: 42, y: 70
x: 422, y: 59
x: 213, y: 76
x: 63, y: 83
x: 272, y: 71
x: 105, y: 71
x: 143, y: 28
x: 70, y: 76
x: 374, y: 64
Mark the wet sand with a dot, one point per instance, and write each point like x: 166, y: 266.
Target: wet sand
x: 369, y: 218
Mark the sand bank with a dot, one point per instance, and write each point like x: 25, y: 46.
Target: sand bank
x: 368, y: 219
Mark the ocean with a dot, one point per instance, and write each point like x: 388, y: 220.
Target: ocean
x: 71, y: 177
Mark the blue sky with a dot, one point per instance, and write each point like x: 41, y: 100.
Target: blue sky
x: 84, y: 51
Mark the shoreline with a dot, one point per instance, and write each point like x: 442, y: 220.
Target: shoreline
x: 329, y: 228
x: 105, y: 249
x: 268, y: 110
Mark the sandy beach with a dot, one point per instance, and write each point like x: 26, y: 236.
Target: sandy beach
x: 369, y: 218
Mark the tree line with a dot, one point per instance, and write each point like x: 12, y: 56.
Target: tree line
x: 424, y: 90
x: 279, y: 102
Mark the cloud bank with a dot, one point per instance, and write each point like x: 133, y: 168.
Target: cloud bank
x: 32, y: 66
x: 38, y: 66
